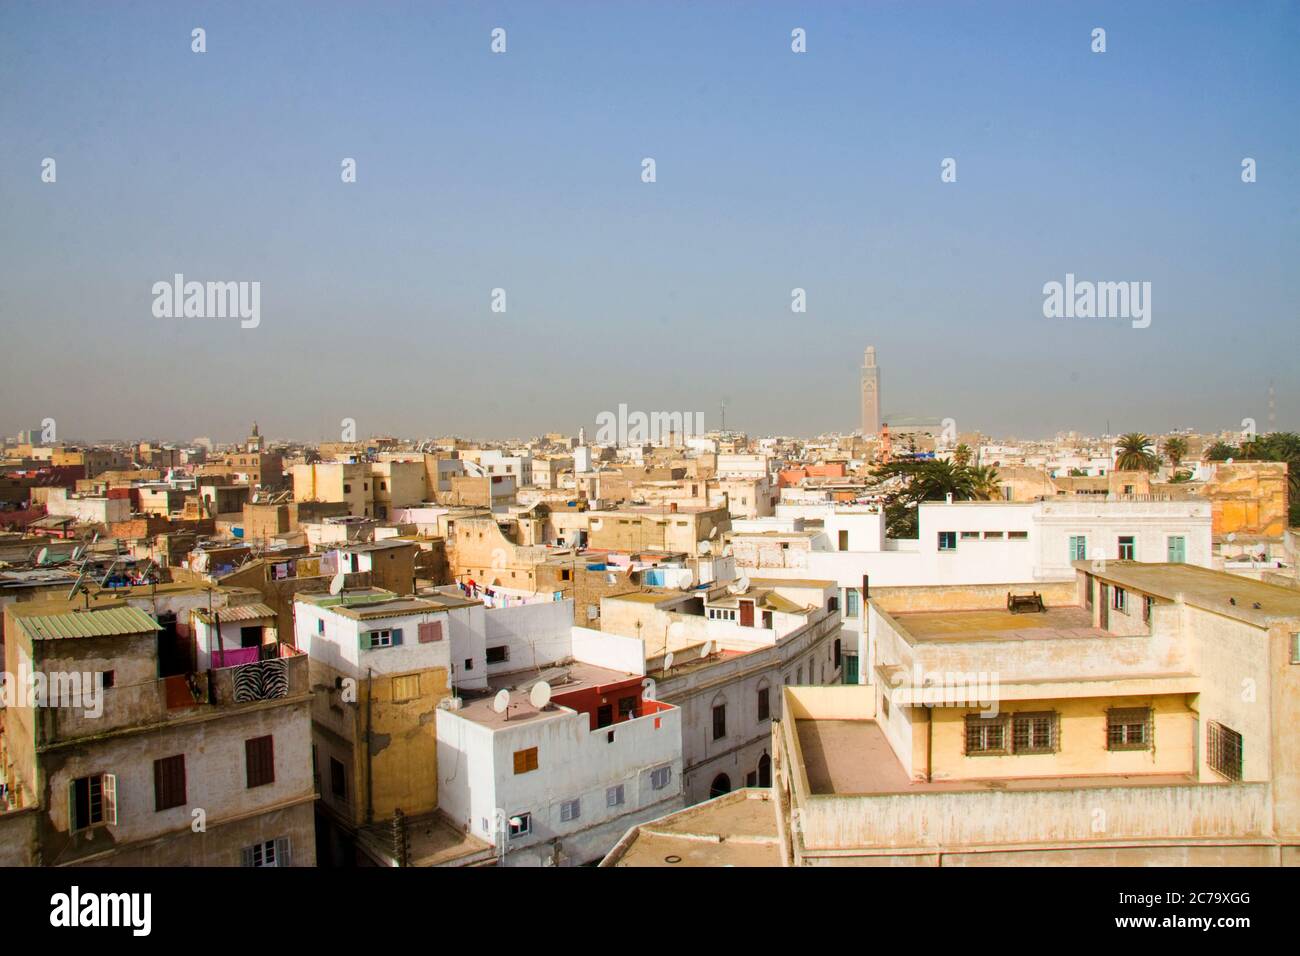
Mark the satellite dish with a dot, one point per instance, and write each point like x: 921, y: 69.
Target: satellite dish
x: 705, y: 547
x: 501, y: 701
x: 743, y: 583
x: 706, y: 649
x: 668, y: 660
x: 713, y: 532
x: 540, y: 695
x: 42, y: 555
x: 336, y: 583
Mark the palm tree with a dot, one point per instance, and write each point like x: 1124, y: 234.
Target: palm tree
x: 961, y: 455
x: 985, y: 484
x: 1175, y: 451
x: 1135, y: 453
x: 1221, y: 451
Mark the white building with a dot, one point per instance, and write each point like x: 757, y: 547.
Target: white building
x: 559, y: 784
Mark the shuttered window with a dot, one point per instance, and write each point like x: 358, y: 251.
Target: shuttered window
x: 525, y: 760
x: 259, y: 759
x: 169, y: 782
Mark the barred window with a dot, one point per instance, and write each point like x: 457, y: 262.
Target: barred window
x: 1224, y: 746
x: 986, y: 735
x: 1128, y: 728
x: 1034, y: 733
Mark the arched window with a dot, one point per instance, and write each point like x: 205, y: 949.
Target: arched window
x: 765, y: 770
x: 719, y: 718
x: 721, y: 784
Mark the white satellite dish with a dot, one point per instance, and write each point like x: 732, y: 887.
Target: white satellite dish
x: 668, y: 660
x: 42, y: 555
x: 743, y: 583
x: 706, y: 649
x: 713, y: 532
x: 540, y: 695
x: 336, y: 583
x: 705, y: 547
x: 501, y: 701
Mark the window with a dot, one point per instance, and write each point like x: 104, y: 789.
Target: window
x: 719, y: 721
x: 1224, y: 750
x: 1128, y: 728
x: 270, y: 853
x: 169, y: 782
x: 469, y: 663
x: 388, y: 637
x: 338, y: 779
x: 347, y: 489
x: 1127, y: 547
x: 660, y: 776
x: 320, y: 625
x: 92, y: 801
x: 498, y: 655
x: 763, y: 712
x: 570, y: 810
x: 1017, y: 535
x: 614, y: 796
x: 844, y: 540
x: 970, y: 535
x: 986, y: 735
x: 109, y: 678
x: 429, y: 632
x: 1148, y: 602
x: 852, y: 602
x: 259, y: 760
x: 526, y: 760
x: 406, y: 687
x: 992, y: 534
x: 1034, y: 733
x: 947, y: 540
x: 564, y: 574
x: 1119, y: 600
x: 1177, y: 549
x: 1295, y: 648
x: 1078, y: 547
x: 626, y: 708
x: 521, y: 824
x: 798, y: 675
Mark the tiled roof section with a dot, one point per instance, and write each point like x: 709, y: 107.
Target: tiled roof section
x: 105, y: 622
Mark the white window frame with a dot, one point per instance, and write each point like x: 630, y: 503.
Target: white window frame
x: 525, y: 825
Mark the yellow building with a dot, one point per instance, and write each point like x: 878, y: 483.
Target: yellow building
x: 380, y: 665
x: 1149, y: 720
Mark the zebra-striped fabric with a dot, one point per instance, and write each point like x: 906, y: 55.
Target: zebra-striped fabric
x: 263, y: 680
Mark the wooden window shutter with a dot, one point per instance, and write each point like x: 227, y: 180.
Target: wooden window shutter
x: 397, y: 636
x: 110, y: 799
x: 430, y: 632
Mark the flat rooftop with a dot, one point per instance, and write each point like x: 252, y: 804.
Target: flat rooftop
x: 853, y: 757
x: 998, y: 624
x: 479, y: 708
x: 738, y: 829
x: 1204, y: 588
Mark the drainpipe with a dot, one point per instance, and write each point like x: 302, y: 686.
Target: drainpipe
x: 929, y: 744
x: 370, y: 777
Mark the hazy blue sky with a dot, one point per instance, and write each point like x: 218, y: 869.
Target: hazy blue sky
x: 522, y: 171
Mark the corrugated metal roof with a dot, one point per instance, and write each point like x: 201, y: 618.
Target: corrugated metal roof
x: 104, y: 622
x: 241, y: 612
